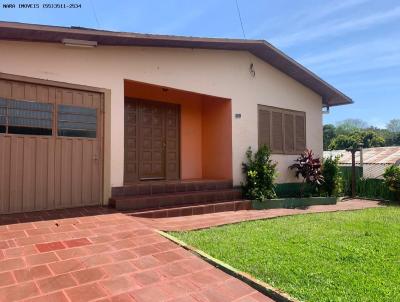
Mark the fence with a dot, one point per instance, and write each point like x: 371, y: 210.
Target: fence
x: 369, y: 181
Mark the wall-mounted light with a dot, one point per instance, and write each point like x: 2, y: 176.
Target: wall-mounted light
x: 79, y: 43
x: 251, y: 70
x: 325, y: 110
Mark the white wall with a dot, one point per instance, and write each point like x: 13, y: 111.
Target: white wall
x: 219, y: 73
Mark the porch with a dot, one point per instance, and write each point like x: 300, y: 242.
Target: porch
x: 177, y: 154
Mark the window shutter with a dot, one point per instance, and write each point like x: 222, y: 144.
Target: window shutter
x: 277, y: 132
x: 300, y: 133
x: 288, y: 122
x: 264, y: 128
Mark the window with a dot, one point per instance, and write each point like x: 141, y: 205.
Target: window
x: 3, y: 116
x: 25, y: 117
x: 283, y: 131
x: 77, y: 121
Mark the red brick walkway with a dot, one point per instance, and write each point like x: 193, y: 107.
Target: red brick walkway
x: 93, y: 254
x: 187, y: 223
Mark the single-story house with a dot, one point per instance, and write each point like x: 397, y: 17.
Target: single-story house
x: 84, y: 112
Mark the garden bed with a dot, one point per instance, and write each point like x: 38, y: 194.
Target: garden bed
x: 290, y: 203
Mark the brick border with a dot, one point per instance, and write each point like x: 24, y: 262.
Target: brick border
x: 258, y: 285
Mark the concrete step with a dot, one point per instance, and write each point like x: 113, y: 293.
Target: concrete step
x: 157, y: 201
x: 163, y: 187
x: 195, y: 209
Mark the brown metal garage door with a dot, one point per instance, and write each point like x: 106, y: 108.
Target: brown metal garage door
x: 50, y: 147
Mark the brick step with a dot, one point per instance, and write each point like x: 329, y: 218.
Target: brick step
x: 162, y: 187
x: 195, y: 209
x: 157, y: 201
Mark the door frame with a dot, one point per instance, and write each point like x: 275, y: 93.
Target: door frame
x: 105, y: 118
x: 138, y: 180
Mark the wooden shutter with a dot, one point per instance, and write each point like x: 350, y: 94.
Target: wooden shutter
x: 264, y: 127
x: 283, y: 131
x: 300, y: 132
x: 277, y: 132
x: 288, y: 123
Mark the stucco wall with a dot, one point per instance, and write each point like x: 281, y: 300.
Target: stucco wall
x: 219, y: 73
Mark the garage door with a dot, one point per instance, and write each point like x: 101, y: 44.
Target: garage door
x: 50, y: 147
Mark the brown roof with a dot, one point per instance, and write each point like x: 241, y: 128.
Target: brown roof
x: 378, y: 155
x: 260, y: 48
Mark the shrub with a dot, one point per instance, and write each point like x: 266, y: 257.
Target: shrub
x: 309, y: 167
x: 260, y: 174
x: 333, y: 181
x: 392, y: 179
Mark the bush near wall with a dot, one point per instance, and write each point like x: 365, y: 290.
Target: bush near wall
x: 374, y: 188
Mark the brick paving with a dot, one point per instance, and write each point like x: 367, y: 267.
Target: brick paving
x: 97, y: 254
x: 195, y: 222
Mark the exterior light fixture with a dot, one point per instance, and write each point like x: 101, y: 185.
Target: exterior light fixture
x: 79, y: 43
x: 325, y: 110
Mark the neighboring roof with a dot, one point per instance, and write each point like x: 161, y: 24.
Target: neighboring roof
x: 379, y: 155
x: 260, y: 48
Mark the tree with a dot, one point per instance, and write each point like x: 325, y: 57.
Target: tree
x: 329, y: 135
x: 372, y: 139
x: 344, y: 141
x: 368, y: 138
x: 350, y: 125
x: 393, y: 126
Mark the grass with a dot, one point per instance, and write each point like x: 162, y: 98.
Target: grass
x: 342, y: 256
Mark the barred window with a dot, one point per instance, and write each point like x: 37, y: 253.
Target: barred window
x: 25, y: 117
x: 75, y: 121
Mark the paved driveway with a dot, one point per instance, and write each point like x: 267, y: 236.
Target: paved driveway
x: 94, y: 254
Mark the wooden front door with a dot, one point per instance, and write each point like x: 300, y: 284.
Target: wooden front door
x: 151, y: 140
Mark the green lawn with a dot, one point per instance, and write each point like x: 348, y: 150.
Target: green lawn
x: 342, y: 256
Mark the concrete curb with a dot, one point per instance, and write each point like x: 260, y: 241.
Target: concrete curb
x: 258, y: 285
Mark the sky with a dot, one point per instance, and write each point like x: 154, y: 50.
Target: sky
x: 352, y: 44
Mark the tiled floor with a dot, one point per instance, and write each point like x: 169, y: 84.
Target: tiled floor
x: 215, y: 219
x: 94, y: 254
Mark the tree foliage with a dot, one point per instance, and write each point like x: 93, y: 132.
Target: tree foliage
x: 351, y: 132
x: 329, y: 135
x: 369, y: 139
x: 393, y: 126
x: 350, y: 125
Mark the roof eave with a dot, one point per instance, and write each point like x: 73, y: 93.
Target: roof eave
x: 260, y: 48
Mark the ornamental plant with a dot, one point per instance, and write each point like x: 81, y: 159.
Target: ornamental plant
x: 309, y: 168
x: 260, y: 174
x: 392, y: 179
x: 333, y: 180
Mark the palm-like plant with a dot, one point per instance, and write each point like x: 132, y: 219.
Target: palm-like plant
x: 309, y: 168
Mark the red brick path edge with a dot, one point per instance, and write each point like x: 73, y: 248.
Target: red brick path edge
x: 259, y: 285
x: 196, y: 222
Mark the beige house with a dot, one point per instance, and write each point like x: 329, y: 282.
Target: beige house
x: 84, y: 111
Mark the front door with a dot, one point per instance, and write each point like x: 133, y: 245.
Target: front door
x: 151, y: 140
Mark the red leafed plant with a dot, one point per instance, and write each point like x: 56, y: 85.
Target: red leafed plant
x: 309, y: 167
